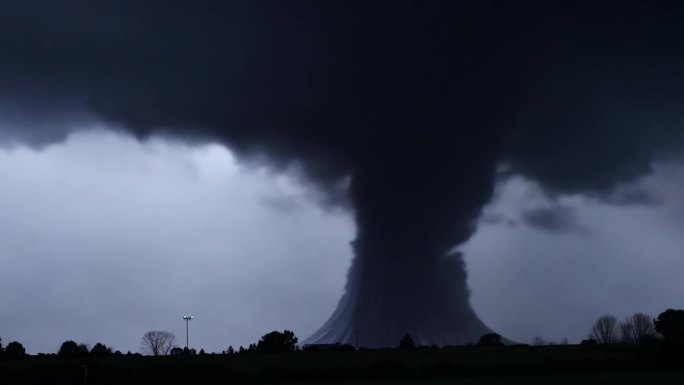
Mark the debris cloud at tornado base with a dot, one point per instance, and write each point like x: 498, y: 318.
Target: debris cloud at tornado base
x: 417, y: 104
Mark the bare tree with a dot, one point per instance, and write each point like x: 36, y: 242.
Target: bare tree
x: 643, y: 326
x: 158, y: 343
x: 605, y: 330
x: 636, y: 327
x: 627, y: 332
x: 538, y: 341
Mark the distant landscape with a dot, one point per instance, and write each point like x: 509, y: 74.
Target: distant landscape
x: 630, y: 352
x: 566, y: 364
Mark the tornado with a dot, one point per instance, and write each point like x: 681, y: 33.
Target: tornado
x: 406, y: 276
x: 416, y: 104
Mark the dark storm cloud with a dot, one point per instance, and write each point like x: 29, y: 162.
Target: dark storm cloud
x: 418, y: 102
x: 498, y: 219
x: 555, y: 219
x: 623, y: 195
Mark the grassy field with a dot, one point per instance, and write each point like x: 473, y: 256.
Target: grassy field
x: 465, y: 365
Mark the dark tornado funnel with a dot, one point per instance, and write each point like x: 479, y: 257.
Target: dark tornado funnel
x: 410, y: 214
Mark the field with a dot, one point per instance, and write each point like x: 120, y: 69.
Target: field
x: 463, y: 365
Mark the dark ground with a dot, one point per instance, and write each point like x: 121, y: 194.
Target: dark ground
x: 463, y: 365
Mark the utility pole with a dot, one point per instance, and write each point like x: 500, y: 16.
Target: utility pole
x: 187, y: 319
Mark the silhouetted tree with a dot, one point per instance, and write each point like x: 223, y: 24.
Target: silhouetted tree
x: 68, y: 349
x: 407, y: 342
x: 176, y: 351
x: 643, y: 326
x: 490, y: 339
x: 627, y: 333
x: 276, y: 342
x: 100, y: 350
x: 83, y: 349
x: 230, y: 350
x: 670, y: 324
x: 605, y: 330
x: 14, y: 350
x: 158, y: 343
x: 633, y: 329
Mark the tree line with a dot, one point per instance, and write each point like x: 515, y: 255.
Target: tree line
x: 156, y: 343
x: 639, y: 328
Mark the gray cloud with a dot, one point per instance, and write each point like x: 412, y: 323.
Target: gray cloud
x: 555, y: 219
x: 632, y: 195
x: 281, y: 203
x: 498, y: 219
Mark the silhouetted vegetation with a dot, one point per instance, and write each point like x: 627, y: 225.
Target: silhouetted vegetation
x: 540, y: 341
x: 100, y: 350
x: 670, y: 324
x: 633, y: 329
x: 407, y: 342
x: 632, y: 346
x: 605, y: 330
x: 329, y: 348
x: 14, y: 350
x: 276, y: 342
x: 158, y: 343
x: 491, y: 339
x: 182, y: 352
x: 69, y: 349
x: 462, y: 365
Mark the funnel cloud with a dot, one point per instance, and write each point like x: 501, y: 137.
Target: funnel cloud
x: 418, y: 105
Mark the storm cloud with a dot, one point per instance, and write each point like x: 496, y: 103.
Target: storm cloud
x: 417, y: 103
x: 555, y: 219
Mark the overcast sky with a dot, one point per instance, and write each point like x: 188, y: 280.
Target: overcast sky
x: 105, y: 237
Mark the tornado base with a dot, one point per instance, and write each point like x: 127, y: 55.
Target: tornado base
x: 384, y: 300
